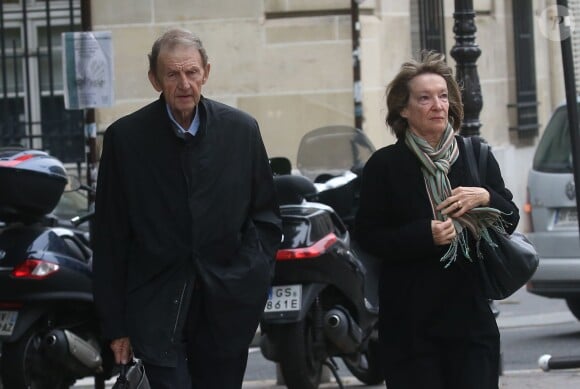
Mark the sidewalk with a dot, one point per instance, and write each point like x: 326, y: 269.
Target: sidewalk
x: 530, y: 379
x: 537, y: 379
x: 525, y: 379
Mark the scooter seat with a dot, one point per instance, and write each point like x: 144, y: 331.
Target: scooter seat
x: 294, y: 189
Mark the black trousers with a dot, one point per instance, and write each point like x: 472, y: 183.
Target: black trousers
x: 452, y: 364
x: 198, y: 366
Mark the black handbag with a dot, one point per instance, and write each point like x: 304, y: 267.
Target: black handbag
x: 132, y: 376
x: 506, y: 266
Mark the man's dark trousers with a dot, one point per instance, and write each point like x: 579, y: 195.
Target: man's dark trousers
x: 198, y: 366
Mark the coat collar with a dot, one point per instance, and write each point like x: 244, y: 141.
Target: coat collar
x: 203, y: 117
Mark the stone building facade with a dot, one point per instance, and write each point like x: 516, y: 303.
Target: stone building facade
x: 290, y: 62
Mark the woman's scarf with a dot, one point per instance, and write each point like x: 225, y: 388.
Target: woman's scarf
x: 435, y: 164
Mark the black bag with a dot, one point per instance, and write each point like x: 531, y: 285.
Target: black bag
x: 506, y: 268
x: 132, y: 376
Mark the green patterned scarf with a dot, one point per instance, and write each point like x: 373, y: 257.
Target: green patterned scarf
x: 435, y: 164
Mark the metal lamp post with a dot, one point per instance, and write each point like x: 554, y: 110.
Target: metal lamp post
x: 90, y: 124
x: 357, y: 85
x: 465, y: 52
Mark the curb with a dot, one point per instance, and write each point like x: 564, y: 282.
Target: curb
x: 540, y: 319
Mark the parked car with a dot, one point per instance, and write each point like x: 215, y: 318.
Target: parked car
x: 554, y: 216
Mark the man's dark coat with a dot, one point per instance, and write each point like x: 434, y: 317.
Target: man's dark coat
x: 172, y: 212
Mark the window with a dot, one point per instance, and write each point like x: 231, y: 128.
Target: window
x: 427, y: 26
x: 554, y: 153
x: 525, y: 68
x: 31, y: 85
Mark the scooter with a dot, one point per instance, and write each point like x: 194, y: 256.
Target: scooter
x: 323, y: 302
x: 48, y: 326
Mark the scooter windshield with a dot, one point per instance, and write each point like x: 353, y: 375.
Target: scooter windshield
x: 333, y: 151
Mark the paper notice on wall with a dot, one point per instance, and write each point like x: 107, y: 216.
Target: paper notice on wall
x: 88, y: 69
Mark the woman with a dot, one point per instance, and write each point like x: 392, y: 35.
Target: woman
x: 436, y: 328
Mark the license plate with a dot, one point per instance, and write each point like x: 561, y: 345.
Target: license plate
x: 7, y: 322
x: 284, y: 298
x: 566, y: 217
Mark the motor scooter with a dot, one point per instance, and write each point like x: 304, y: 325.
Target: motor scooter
x: 48, y: 326
x: 323, y: 302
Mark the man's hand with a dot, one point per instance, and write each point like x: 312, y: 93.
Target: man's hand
x: 122, y: 349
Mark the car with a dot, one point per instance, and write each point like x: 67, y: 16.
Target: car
x: 553, y: 214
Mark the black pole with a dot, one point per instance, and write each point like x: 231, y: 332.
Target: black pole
x: 3, y: 60
x: 27, y: 90
x: 570, y: 86
x: 357, y: 86
x: 90, y: 128
x: 9, y: 121
x: 465, y: 52
x: 49, y: 47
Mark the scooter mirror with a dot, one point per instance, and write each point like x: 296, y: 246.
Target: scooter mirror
x: 73, y: 183
x: 280, y: 166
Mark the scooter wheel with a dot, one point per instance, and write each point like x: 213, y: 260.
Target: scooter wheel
x: 23, y: 366
x: 366, y: 366
x: 300, y: 363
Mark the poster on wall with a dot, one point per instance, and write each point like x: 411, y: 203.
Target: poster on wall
x: 88, y: 69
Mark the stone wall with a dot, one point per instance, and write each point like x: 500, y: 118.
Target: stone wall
x: 289, y: 63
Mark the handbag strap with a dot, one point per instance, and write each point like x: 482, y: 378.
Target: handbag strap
x: 478, y: 171
x: 483, y: 155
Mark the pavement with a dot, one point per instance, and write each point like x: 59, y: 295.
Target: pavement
x: 528, y: 379
x: 532, y: 379
x: 538, y: 319
x: 514, y: 379
x: 520, y: 379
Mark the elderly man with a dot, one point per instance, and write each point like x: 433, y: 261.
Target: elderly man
x: 186, y: 228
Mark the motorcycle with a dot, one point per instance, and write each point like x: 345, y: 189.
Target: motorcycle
x: 323, y: 302
x: 48, y: 326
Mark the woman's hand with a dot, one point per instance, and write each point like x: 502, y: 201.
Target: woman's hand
x: 462, y: 199
x: 443, y: 232
x: 122, y: 350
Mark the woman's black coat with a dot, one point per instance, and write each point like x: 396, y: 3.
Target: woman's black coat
x: 172, y: 212
x: 419, y: 298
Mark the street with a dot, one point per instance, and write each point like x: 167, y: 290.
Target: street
x: 530, y: 327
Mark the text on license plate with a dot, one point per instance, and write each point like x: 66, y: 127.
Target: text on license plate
x: 284, y: 298
x: 566, y: 217
x: 7, y: 322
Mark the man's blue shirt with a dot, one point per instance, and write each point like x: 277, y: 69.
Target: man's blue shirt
x: 194, y: 126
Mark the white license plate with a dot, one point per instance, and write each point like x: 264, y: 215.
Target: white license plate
x: 284, y: 298
x: 566, y: 217
x: 7, y: 322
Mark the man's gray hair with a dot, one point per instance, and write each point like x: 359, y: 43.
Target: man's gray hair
x: 172, y: 38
